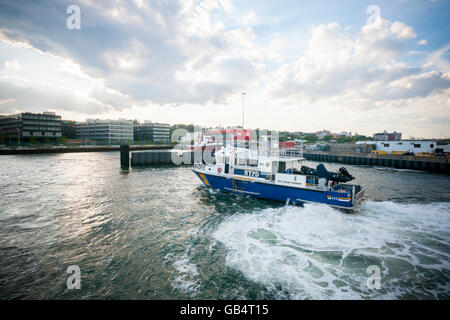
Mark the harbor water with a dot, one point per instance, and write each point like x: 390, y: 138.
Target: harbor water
x: 158, y: 233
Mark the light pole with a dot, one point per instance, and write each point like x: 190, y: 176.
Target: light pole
x: 243, y: 95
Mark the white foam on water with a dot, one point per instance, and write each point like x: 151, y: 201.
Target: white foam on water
x: 183, y: 265
x: 398, y: 169
x: 186, y: 281
x: 317, y: 252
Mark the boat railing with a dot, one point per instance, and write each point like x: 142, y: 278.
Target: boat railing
x: 343, y: 186
x: 292, y: 152
x: 360, y: 194
x: 347, y: 187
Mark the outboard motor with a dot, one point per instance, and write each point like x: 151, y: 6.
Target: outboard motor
x: 308, y: 170
x: 344, y: 173
x: 322, y: 172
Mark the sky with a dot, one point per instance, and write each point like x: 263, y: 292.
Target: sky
x: 359, y: 66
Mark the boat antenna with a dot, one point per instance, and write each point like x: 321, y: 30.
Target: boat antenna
x: 243, y: 95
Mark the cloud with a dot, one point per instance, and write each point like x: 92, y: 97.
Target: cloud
x: 402, y: 30
x: 12, y: 65
x: 188, y: 55
x: 363, y: 70
x: 422, y: 42
x: 39, y: 96
x: 141, y: 49
x: 249, y: 18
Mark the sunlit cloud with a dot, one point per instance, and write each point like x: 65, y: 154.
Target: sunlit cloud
x: 188, y: 61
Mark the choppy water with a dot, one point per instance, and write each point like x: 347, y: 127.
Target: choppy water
x: 156, y: 233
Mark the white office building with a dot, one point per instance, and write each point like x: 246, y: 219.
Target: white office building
x: 107, y: 131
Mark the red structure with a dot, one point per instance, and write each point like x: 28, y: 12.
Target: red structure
x: 230, y: 136
x: 287, y: 145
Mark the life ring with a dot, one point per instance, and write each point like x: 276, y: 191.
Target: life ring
x: 219, y: 170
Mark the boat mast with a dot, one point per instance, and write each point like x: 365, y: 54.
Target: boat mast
x: 243, y: 95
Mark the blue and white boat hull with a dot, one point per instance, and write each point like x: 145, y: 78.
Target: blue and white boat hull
x: 269, y: 190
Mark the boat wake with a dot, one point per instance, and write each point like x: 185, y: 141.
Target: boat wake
x: 187, y: 276
x: 317, y: 252
x: 390, y: 169
x: 186, y: 281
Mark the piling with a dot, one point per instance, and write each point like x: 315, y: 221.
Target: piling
x: 125, y: 156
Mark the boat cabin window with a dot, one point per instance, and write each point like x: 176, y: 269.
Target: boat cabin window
x: 219, y: 159
x: 281, y: 167
x: 285, y: 166
x: 242, y: 162
x: 311, y: 180
x: 252, y: 162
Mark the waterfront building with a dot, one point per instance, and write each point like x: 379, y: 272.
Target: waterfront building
x: 416, y: 147
x: 443, y: 147
x: 106, y: 131
x: 350, y: 148
x: 385, y: 136
x: 69, y: 129
x: 152, y: 132
x: 322, y: 134
x: 26, y: 126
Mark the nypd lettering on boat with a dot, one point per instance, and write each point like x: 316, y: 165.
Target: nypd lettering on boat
x: 251, y: 173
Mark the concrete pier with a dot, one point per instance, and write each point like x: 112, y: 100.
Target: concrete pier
x: 432, y: 164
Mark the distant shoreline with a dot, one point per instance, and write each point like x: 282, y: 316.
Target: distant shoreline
x: 27, y: 150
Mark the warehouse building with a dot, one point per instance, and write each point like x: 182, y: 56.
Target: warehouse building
x: 416, y: 147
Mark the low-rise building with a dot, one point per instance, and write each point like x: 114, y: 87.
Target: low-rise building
x: 386, y: 136
x: 27, y: 126
x: 106, y: 131
x: 345, y: 134
x: 362, y: 148
x: 152, y: 132
x: 69, y: 129
x: 322, y: 134
x: 443, y: 147
x: 415, y: 147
